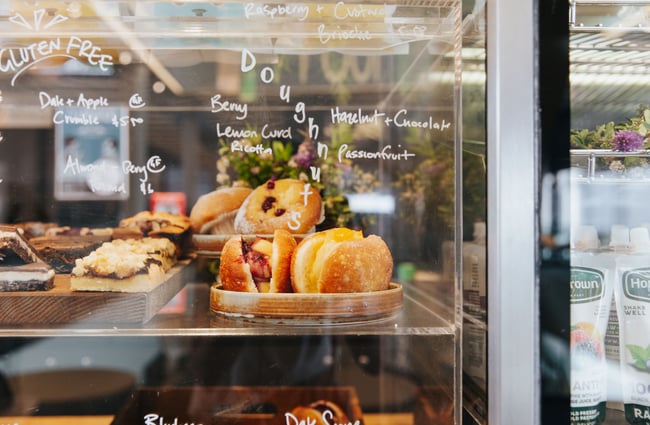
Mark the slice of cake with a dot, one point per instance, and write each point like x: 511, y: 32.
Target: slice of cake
x: 61, y: 252
x: 21, y: 269
x: 124, y: 265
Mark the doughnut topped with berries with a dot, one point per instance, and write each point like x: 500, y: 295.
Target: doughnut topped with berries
x: 288, y: 204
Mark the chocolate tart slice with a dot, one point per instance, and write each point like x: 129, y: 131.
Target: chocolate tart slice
x: 21, y: 268
x: 60, y: 252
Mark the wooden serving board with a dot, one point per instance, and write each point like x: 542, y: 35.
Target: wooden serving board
x: 62, y: 305
x: 307, y: 308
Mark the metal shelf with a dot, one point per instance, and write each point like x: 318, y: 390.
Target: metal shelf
x: 593, y: 175
x: 599, y: 16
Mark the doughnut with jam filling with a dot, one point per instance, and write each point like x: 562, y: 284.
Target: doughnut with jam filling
x: 258, y: 266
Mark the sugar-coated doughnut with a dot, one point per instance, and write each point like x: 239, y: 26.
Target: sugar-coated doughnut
x: 341, y: 260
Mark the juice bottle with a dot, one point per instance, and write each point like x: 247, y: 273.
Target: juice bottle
x: 633, y: 305
x: 474, y: 274
x: 619, y: 244
x: 590, y: 299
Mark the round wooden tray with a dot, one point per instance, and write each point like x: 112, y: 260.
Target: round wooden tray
x: 211, y: 245
x: 307, y: 308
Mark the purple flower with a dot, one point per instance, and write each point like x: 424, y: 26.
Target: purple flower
x: 628, y: 140
x: 306, y: 155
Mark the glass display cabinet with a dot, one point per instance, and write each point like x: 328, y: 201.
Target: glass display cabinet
x: 594, y: 225
x: 220, y: 212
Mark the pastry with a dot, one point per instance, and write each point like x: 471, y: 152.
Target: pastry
x: 321, y: 412
x: 124, y: 265
x: 288, y: 204
x: 175, y: 227
x: 32, y: 229
x: 259, y: 266
x: 341, y: 260
x: 156, y: 223
x: 214, y: 213
x: 78, y: 231
x: 21, y: 269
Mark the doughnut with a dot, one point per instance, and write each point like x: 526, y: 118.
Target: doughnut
x: 288, y: 204
x: 341, y: 260
x: 259, y: 266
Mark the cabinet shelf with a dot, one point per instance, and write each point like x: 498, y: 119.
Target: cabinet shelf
x: 417, y: 317
x: 596, y: 166
x: 156, y: 25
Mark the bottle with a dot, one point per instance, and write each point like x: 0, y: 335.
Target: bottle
x: 633, y: 304
x: 619, y: 244
x: 590, y: 301
x: 475, y: 306
x: 474, y: 274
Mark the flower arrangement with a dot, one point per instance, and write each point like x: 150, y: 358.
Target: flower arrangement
x: 627, y: 141
x: 629, y: 136
x: 285, y: 160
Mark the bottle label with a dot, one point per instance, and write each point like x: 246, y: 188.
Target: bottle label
x: 636, y: 284
x: 586, y: 285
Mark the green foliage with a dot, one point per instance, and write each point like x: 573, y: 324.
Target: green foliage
x: 252, y: 170
x: 602, y: 137
x: 337, y: 178
x: 640, y: 355
x: 640, y: 122
x: 428, y: 190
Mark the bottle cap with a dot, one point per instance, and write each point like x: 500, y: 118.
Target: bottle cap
x: 586, y: 237
x: 619, y: 236
x: 479, y: 231
x: 640, y: 239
